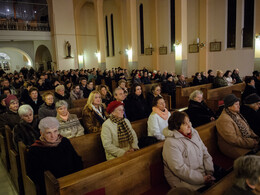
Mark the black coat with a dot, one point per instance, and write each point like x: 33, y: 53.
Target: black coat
x: 60, y: 161
x: 248, y: 90
x: 199, y: 113
x: 170, y: 88
x: 35, y: 106
x: 8, y: 118
x: 210, y: 79
x: 196, y: 81
x: 136, y: 107
x: 252, y: 117
x: 45, y: 111
x: 28, y: 133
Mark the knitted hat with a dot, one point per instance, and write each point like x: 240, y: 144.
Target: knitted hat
x: 229, y: 100
x: 113, y: 105
x: 9, y: 99
x: 252, y: 98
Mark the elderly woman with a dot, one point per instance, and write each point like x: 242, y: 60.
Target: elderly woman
x: 187, y: 162
x: 48, y: 107
x: 106, y: 95
x: 219, y: 81
x: 235, y: 137
x: 60, y: 95
x: 51, y: 152
x: 198, y: 111
x: 158, y: 119
x: 155, y: 92
x: 27, y: 129
x: 247, y: 176
x: 117, y: 135
x: 10, y: 117
x: 69, y: 123
x: 94, y: 114
x: 136, y: 105
x: 122, y: 85
x: 76, y: 93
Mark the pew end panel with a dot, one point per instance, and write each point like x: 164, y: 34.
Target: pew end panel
x: 4, y: 152
x: 140, y: 127
x: 51, y: 183
x: 29, y: 186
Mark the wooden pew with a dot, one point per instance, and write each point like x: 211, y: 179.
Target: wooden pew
x: 15, y: 169
x: 136, y: 173
x: 77, y: 111
x: 182, y: 94
x: 88, y: 146
x: 213, y: 96
x: 79, y: 103
x: 4, y: 152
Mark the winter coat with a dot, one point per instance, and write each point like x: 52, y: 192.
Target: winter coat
x: 199, y: 113
x: 46, y: 110
x: 196, y: 81
x: 186, y: 161
x: 58, y: 97
x: 219, y: 82
x: 91, y: 120
x: 76, y: 96
x: 109, y: 139
x: 248, y: 91
x: 71, y: 127
x: 183, y: 84
x: 230, y: 140
x: 252, y: 118
x: 35, y: 105
x: 156, y: 124
x: 8, y: 118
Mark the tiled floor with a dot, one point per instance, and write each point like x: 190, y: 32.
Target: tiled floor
x: 6, y: 186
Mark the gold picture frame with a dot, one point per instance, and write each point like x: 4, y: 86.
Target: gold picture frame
x: 162, y: 50
x: 148, y: 51
x: 214, y: 46
x: 193, y: 48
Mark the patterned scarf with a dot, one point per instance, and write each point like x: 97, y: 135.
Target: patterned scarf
x: 242, y: 127
x: 162, y: 114
x: 125, y: 136
x: 43, y: 143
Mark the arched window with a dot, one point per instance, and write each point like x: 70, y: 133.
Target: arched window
x: 4, y: 61
x: 141, y: 15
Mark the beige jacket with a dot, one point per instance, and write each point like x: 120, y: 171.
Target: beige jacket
x: 109, y: 139
x: 186, y: 161
x: 230, y: 140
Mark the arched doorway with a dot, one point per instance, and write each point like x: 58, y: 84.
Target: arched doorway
x: 43, y: 59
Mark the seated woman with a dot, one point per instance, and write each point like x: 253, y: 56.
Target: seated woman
x: 122, y: 85
x: 158, y: 119
x: 155, y: 92
x: 187, y: 162
x: 51, y: 152
x: 228, y: 78
x: 10, y: 117
x: 106, y: 96
x: 60, y: 95
x: 136, y: 105
x: 48, y: 107
x: 247, y: 174
x: 27, y: 129
x: 235, y: 137
x: 198, y: 111
x: 94, y: 114
x: 76, y: 93
x: 197, y: 79
x: 69, y: 123
x: 117, y: 135
x: 250, y: 110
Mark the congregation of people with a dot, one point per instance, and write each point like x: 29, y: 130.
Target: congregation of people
x: 38, y: 108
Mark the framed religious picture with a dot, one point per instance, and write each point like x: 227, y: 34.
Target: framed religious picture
x: 163, y: 50
x: 148, y: 51
x: 215, y: 46
x: 193, y: 48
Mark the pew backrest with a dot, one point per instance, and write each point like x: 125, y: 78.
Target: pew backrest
x: 79, y: 103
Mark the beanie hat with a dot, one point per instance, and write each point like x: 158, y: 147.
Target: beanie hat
x: 113, y: 105
x: 9, y: 99
x: 229, y: 100
x: 252, y: 98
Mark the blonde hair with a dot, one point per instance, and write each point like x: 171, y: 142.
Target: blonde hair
x: 91, y: 98
x: 103, y: 86
x: 194, y: 94
x: 59, y: 87
x: 45, y: 94
x: 219, y: 72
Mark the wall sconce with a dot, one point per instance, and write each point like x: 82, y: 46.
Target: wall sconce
x: 98, y: 55
x: 129, y: 53
x: 81, y: 60
x: 200, y: 45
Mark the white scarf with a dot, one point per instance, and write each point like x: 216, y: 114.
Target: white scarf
x: 98, y: 111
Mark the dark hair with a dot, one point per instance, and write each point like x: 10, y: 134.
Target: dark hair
x: 82, y: 78
x: 209, y: 71
x: 33, y: 89
x: 197, y: 73
x: 154, y: 87
x: 248, y: 79
x: 176, y: 120
x: 90, y: 81
x: 155, y: 100
x: 133, y: 88
x: 5, y: 89
x: 226, y: 73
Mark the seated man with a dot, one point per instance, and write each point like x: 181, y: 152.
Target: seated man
x: 182, y: 82
x: 249, y: 111
x: 235, y: 137
x: 247, y: 176
x: 250, y: 87
x: 35, y: 100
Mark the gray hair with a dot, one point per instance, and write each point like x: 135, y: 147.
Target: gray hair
x: 117, y: 89
x: 24, y: 110
x: 48, y: 123
x: 194, y: 94
x: 247, y: 168
x: 59, y: 87
x: 61, y: 103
